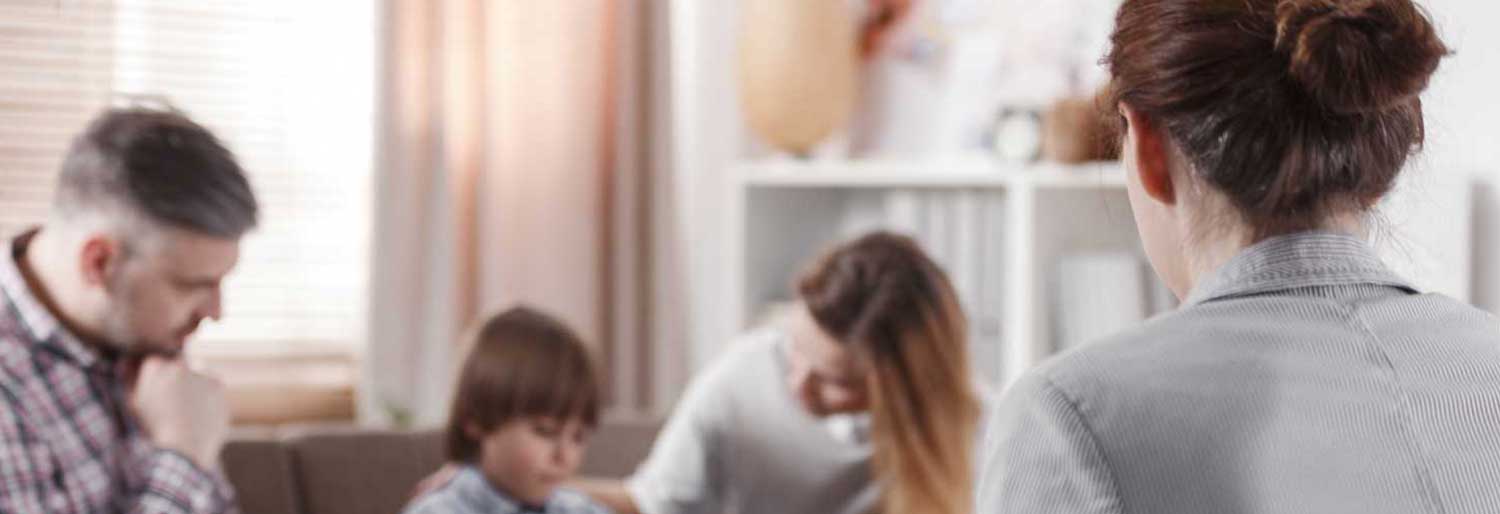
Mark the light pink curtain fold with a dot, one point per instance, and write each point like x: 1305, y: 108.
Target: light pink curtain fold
x: 499, y: 178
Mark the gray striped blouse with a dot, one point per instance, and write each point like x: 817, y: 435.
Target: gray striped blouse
x: 1303, y: 376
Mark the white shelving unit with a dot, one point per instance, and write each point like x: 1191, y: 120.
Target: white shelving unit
x: 1000, y: 231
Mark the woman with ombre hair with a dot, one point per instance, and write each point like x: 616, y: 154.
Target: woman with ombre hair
x: 885, y: 305
x: 860, y: 401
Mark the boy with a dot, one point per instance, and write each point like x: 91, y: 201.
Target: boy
x: 527, y: 398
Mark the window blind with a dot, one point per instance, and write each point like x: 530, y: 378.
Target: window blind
x: 287, y: 85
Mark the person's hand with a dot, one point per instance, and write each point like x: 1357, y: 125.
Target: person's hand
x: 180, y: 409
x: 804, y: 385
x: 435, y: 481
x: 610, y: 493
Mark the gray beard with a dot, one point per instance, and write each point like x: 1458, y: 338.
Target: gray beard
x: 120, y: 338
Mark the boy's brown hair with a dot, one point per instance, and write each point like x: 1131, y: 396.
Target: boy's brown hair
x: 522, y: 363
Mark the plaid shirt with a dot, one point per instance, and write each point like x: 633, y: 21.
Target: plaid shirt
x: 67, y: 442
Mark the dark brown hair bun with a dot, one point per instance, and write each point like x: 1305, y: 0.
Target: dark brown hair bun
x: 1296, y: 110
x: 1358, y: 56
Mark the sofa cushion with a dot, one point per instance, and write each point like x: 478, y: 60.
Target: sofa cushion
x: 334, y: 469
x: 362, y: 471
x: 261, y: 470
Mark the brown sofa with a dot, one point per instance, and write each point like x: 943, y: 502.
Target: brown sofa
x: 339, y: 470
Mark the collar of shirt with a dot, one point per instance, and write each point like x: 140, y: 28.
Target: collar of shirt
x: 1307, y: 259
x: 477, y: 492
x: 38, y: 320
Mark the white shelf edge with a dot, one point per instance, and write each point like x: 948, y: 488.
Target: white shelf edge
x: 1025, y: 340
x: 877, y: 174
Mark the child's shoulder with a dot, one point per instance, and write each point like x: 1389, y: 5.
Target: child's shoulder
x: 569, y: 501
x: 439, y: 501
x: 458, y: 495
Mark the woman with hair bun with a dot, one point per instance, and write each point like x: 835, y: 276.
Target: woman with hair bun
x: 1300, y: 374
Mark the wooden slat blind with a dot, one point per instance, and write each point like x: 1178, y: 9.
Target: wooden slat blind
x: 288, y: 85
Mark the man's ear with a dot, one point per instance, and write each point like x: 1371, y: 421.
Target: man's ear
x: 1151, y: 153
x: 98, y: 259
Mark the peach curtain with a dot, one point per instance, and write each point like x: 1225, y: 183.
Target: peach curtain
x: 503, y: 176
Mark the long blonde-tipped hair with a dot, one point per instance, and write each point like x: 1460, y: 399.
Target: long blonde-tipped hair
x: 898, y: 311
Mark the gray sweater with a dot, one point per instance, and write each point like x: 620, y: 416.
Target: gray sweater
x: 740, y: 443
x: 1302, y: 377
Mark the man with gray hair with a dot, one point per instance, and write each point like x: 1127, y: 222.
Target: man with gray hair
x: 100, y: 414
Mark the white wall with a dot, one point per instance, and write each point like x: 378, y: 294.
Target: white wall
x: 707, y: 135
x: 1463, y: 114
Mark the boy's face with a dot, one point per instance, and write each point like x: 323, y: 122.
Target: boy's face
x: 529, y: 457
